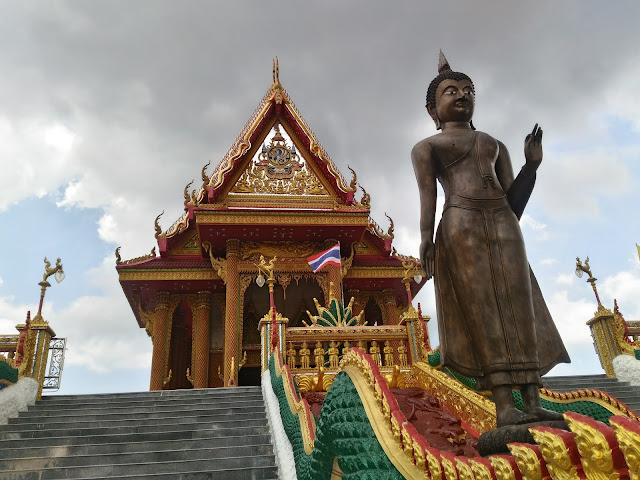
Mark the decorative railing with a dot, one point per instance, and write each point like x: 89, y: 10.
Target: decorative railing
x: 361, y: 433
x: 613, y: 336
x: 35, y: 352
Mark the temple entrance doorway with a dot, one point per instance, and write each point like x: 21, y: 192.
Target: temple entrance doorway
x: 249, y: 376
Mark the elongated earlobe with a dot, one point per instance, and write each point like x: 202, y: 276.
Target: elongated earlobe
x: 434, y: 116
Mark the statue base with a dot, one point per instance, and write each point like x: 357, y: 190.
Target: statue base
x: 495, y: 441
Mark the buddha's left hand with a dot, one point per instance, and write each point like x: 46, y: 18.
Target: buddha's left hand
x: 533, y: 147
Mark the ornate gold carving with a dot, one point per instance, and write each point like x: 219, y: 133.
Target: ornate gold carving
x: 464, y: 469
x: 628, y: 436
x: 179, y: 226
x: 193, y: 243
x: 187, y: 197
x: 148, y: 274
x: 206, y: 217
x: 348, y: 261
x: 469, y: 406
x: 391, y: 226
x: 205, y: 177
x: 137, y: 259
x: 555, y: 453
x: 596, y: 396
x: 303, y: 182
x: 354, y: 180
x: 527, y: 459
x: 156, y: 225
x: 284, y: 279
x: 365, y: 201
x: 253, y: 250
x: 218, y: 264
x: 595, y: 449
x: 481, y: 468
x: 375, y: 229
x: 503, y: 468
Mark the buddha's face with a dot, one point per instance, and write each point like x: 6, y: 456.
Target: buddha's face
x: 454, y: 101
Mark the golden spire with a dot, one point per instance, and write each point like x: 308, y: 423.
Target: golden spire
x: 276, y: 72
x: 276, y: 85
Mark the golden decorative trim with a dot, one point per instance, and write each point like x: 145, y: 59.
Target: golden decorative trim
x: 375, y: 229
x: 375, y: 272
x: 187, y: 197
x: 300, y: 179
x: 218, y: 264
x: 298, y: 407
x: 156, y: 224
x: 207, y: 217
x: 353, y: 185
x: 595, y: 449
x: 166, y: 274
x: 283, y: 250
x: 628, y: 437
x: 471, y: 407
x: 556, y: 453
x: 380, y: 419
x: 179, y: 226
x: 596, y: 396
x: 383, y: 332
x: 119, y: 261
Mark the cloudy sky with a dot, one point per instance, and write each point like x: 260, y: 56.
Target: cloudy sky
x: 108, y: 109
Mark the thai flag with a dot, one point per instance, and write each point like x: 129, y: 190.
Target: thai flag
x: 328, y: 257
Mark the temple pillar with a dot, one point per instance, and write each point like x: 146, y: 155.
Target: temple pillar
x: 200, y: 341
x: 335, y: 277
x: 389, y: 298
x: 160, y: 337
x: 231, y: 314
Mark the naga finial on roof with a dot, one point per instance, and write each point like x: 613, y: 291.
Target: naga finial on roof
x: 157, y: 225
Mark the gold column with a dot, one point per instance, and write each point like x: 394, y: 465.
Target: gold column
x: 161, y: 338
x: 335, y: 277
x: 200, y: 342
x: 389, y: 297
x: 231, y: 316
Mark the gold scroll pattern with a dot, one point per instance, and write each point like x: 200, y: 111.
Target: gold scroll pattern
x: 254, y: 180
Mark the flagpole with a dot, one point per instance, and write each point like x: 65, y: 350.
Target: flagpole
x: 341, y: 281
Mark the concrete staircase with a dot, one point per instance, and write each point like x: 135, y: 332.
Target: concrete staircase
x: 181, y: 434
x: 622, y: 391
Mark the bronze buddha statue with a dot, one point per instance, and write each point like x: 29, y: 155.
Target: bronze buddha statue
x: 493, y: 322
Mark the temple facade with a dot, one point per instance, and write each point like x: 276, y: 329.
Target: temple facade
x: 276, y: 194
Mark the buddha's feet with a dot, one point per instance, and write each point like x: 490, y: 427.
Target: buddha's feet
x: 544, y: 415
x: 513, y: 416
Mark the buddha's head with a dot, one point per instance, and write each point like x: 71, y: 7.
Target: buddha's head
x: 450, y: 96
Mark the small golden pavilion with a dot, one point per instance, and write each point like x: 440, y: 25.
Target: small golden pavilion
x: 276, y: 193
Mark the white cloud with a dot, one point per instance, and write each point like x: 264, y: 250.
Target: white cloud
x: 549, y: 261
x: 565, y: 279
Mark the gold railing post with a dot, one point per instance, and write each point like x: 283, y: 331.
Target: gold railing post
x: 603, y: 335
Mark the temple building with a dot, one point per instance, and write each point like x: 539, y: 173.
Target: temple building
x: 275, y: 194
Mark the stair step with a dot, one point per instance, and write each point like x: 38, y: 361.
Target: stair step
x: 211, y: 426
x: 133, y: 403
x: 184, y: 435
x: 215, y: 392
x: 257, y: 466
x: 61, y: 460
x: 150, y: 421
x: 34, y: 414
x: 128, y: 446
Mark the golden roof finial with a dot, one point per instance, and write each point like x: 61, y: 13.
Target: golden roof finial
x: 276, y: 72
x: 157, y: 225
